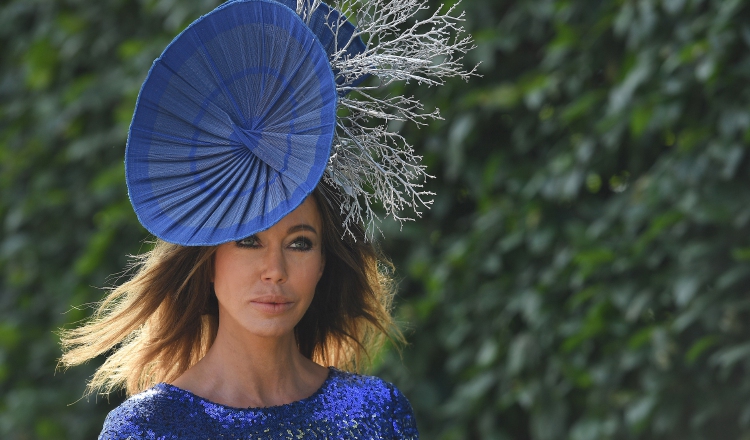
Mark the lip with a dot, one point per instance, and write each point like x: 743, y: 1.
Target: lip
x: 271, y: 304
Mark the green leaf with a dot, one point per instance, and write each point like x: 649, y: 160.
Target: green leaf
x: 700, y: 347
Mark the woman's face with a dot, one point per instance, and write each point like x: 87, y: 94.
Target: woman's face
x: 265, y: 282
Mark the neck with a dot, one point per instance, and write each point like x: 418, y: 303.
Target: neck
x: 242, y: 370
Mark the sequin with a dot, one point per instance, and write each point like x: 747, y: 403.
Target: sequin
x: 347, y: 406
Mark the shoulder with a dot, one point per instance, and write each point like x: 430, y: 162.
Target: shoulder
x: 142, y: 416
x: 370, y: 388
x: 372, y: 396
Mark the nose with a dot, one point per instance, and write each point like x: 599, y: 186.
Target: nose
x: 274, y: 266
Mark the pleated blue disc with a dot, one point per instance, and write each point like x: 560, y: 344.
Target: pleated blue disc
x: 233, y: 126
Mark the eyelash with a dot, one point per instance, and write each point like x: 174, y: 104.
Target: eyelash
x: 307, y: 244
x: 240, y: 243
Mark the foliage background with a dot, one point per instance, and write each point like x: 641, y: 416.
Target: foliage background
x: 583, y: 273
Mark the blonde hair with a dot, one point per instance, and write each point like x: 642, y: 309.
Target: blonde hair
x: 165, y: 318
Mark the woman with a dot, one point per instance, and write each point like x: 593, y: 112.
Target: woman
x: 260, y: 316
x: 257, y: 171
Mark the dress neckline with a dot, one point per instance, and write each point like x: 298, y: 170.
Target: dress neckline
x: 167, y: 387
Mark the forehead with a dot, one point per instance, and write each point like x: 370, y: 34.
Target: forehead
x: 306, y: 213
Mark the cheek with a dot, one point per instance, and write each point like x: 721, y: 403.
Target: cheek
x: 228, y: 273
x: 309, y: 275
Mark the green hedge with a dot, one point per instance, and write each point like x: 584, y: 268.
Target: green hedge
x: 583, y: 273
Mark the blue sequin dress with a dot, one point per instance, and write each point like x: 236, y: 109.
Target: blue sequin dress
x: 347, y: 406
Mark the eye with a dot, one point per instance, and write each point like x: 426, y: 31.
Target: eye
x: 249, y: 242
x: 301, y: 244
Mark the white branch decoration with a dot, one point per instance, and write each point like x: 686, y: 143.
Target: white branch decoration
x: 370, y: 163
x: 305, y: 9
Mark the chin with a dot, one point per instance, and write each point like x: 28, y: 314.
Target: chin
x: 277, y: 329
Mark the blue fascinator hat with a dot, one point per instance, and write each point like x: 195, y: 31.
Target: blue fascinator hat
x: 233, y: 126
x: 236, y: 122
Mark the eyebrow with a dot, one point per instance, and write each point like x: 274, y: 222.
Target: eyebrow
x: 301, y: 227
